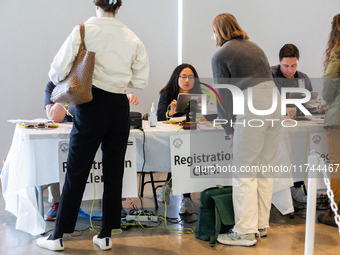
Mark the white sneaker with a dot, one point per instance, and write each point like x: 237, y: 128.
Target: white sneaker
x: 233, y: 238
x: 164, y: 194
x: 53, y: 245
x: 187, y: 206
x: 103, y: 243
x: 262, y: 232
x: 298, y: 194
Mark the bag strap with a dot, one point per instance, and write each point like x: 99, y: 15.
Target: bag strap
x: 213, y: 238
x: 82, y: 37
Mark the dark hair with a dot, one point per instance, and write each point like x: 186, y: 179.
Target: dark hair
x: 172, y: 86
x: 225, y: 27
x: 289, y: 51
x: 333, y: 40
x: 104, y: 4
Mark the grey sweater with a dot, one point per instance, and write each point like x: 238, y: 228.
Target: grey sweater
x: 241, y: 63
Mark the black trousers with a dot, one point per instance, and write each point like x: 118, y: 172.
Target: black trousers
x: 106, y: 121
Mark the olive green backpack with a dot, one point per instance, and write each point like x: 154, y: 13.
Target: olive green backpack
x: 216, y: 214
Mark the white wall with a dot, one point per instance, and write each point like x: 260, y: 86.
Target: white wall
x: 269, y: 23
x: 32, y: 32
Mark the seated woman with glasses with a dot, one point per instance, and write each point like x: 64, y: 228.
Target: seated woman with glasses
x: 184, y: 79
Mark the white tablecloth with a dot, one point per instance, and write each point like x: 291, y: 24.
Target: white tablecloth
x: 33, y: 161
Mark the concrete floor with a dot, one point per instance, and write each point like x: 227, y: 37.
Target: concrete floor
x: 286, y: 236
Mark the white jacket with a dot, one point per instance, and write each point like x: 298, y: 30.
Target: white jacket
x: 121, y: 60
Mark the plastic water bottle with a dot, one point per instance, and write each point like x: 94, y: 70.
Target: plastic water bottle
x: 152, y: 116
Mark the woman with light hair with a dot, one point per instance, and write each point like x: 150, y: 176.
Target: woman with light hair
x: 243, y: 63
x: 331, y: 94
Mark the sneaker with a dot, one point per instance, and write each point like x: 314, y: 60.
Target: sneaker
x: 103, y: 243
x: 262, y: 232
x: 233, y: 238
x: 187, y: 206
x: 52, y: 213
x: 298, y: 194
x: 53, y: 245
x: 164, y: 194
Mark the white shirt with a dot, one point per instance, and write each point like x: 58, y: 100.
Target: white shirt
x: 121, y: 60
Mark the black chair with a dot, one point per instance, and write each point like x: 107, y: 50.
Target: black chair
x: 152, y: 181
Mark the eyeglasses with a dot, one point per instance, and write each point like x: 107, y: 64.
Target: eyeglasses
x: 184, y: 77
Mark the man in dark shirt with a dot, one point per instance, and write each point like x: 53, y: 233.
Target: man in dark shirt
x: 286, y: 74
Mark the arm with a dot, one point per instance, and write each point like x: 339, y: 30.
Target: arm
x: 140, y: 69
x: 172, y: 111
x: 162, y: 106
x: 132, y: 98
x: 291, y: 112
x: 222, y: 75
x: 331, y: 77
x: 55, y: 112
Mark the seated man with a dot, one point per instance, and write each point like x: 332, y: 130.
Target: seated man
x: 285, y: 74
x: 58, y: 114
x: 63, y: 113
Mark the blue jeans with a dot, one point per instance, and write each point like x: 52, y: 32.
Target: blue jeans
x: 106, y: 121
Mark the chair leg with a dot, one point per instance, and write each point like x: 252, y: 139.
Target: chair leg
x: 142, y: 185
x: 153, y: 190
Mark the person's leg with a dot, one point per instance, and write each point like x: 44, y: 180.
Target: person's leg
x: 54, y: 199
x: 168, y: 176
x: 245, y: 184
x: 114, y: 147
x: 254, y: 146
x: 163, y: 195
x: 54, y: 193
x: 265, y: 180
x: 86, y: 135
x: 333, y: 141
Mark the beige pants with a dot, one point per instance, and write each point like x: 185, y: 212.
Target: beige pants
x: 253, y: 147
x: 333, y: 140
x: 54, y: 193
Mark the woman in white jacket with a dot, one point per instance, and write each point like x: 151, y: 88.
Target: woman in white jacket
x: 121, y: 62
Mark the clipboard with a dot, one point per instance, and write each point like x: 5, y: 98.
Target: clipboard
x: 40, y: 125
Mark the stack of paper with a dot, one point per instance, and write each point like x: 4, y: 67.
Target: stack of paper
x: 32, y: 122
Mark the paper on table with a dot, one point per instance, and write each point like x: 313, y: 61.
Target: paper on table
x: 34, y: 121
x: 208, y: 125
x: 174, y: 120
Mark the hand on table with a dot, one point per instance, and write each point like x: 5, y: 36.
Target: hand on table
x: 291, y: 112
x: 172, y: 108
x: 322, y: 107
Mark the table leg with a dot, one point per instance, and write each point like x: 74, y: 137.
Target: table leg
x: 40, y: 198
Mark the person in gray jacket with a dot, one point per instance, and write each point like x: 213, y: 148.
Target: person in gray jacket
x: 244, y: 65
